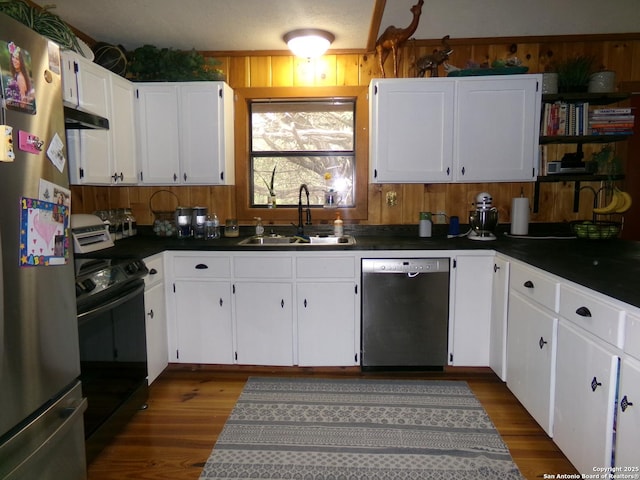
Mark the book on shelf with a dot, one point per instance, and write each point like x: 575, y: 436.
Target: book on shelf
x: 612, y: 111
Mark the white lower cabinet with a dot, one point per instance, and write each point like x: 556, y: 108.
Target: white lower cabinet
x: 156, y: 318
x: 499, y: 311
x: 628, y: 417
x: 531, y: 350
x: 326, y: 324
x: 471, y: 312
x: 264, y: 323
x: 204, y: 329
x: 586, y: 381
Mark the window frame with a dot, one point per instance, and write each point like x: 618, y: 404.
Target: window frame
x: 286, y: 215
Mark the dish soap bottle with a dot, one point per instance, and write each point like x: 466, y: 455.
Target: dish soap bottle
x: 259, y: 227
x: 338, y: 226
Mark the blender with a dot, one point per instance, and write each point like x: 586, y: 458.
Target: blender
x: 484, y: 218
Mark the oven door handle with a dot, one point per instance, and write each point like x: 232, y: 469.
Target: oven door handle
x: 113, y: 303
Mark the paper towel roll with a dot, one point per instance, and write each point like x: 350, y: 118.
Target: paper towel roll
x: 520, y: 216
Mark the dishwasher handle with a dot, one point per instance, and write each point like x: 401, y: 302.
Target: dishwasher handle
x: 412, y: 267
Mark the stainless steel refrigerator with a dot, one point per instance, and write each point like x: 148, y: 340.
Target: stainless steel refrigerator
x: 41, y: 404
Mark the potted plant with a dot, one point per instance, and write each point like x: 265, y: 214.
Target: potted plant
x: 150, y: 63
x: 574, y: 73
x: 43, y: 22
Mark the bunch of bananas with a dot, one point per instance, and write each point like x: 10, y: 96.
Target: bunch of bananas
x: 620, y: 203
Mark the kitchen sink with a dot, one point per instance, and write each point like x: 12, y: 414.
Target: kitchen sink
x: 280, y: 240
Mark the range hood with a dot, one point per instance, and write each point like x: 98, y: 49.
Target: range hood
x: 75, y: 119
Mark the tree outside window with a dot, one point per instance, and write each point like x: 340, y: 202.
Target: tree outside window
x: 295, y: 142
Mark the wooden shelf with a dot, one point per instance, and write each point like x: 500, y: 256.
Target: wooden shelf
x: 592, y: 98
x: 569, y: 177
x: 548, y: 139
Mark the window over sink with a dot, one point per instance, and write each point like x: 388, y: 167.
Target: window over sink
x: 310, y: 135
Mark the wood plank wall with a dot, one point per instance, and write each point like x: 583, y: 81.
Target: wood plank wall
x: 620, y: 52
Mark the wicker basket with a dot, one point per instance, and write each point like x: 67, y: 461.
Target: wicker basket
x: 599, y: 230
x: 164, y: 223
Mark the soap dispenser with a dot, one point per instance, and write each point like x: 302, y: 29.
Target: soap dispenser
x: 338, y: 226
x: 259, y: 227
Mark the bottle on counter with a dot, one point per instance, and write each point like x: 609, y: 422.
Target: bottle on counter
x: 211, y: 227
x: 259, y: 227
x: 425, y: 225
x: 130, y: 225
x: 338, y: 226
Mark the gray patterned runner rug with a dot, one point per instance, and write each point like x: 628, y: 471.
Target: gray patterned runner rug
x: 356, y: 429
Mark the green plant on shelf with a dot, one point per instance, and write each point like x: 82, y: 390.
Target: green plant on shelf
x: 608, y: 163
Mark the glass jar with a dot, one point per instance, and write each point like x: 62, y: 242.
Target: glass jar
x: 231, y: 228
x: 211, y: 227
x: 130, y: 225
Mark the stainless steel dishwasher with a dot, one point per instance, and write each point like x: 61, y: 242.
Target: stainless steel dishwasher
x: 405, y: 313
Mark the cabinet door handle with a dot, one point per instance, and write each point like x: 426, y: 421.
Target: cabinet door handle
x: 448, y: 171
x: 462, y: 170
x: 595, y: 384
x: 184, y: 175
x: 175, y: 177
x: 583, y: 312
x: 221, y: 302
x: 624, y: 403
x: 201, y: 266
x: 542, y: 343
x: 495, y: 268
x: 305, y: 303
x: 282, y: 303
x: 528, y: 284
x: 150, y: 314
x: 153, y: 271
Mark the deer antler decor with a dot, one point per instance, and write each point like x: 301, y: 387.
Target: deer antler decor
x: 430, y: 62
x: 393, y: 38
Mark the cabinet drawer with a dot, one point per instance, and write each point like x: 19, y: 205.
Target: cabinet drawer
x: 325, y: 267
x: 598, y: 317
x: 155, y: 265
x: 632, y: 335
x: 202, y: 267
x: 262, y: 267
x: 534, y: 285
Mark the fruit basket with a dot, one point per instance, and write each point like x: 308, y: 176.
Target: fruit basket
x: 598, y: 230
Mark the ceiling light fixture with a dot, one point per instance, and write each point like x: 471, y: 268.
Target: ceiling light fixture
x: 308, y: 42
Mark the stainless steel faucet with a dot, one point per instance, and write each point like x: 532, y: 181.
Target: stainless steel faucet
x: 300, y: 226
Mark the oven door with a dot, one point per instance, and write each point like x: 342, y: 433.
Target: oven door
x: 113, y: 363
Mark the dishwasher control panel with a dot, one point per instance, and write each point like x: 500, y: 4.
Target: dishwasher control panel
x: 405, y: 265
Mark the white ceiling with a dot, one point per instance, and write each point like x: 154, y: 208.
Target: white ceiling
x: 258, y: 25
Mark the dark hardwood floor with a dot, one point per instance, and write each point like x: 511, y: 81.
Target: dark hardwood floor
x: 188, y: 406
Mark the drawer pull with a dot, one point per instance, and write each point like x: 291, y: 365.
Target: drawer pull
x: 201, y: 266
x: 528, y: 284
x: 153, y: 271
x: 595, y: 384
x: 624, y: 404
x: 583, y: 312
x: 150, y: 314
x: 542, y: 343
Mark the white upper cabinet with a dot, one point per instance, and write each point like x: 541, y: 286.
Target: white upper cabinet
x: 497, y: 128
x: 411, y: 130
x: 185, y: 133
x: 100, y: 157
x: 469, y: 129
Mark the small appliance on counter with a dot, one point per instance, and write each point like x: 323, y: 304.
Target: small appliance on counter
x: 89, y: 233
x: 184, y: 217
x: 484, y: 219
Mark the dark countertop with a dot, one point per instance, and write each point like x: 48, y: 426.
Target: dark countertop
x: 611, y: 267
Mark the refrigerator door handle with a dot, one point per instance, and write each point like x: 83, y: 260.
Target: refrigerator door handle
x: 1, y: 305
